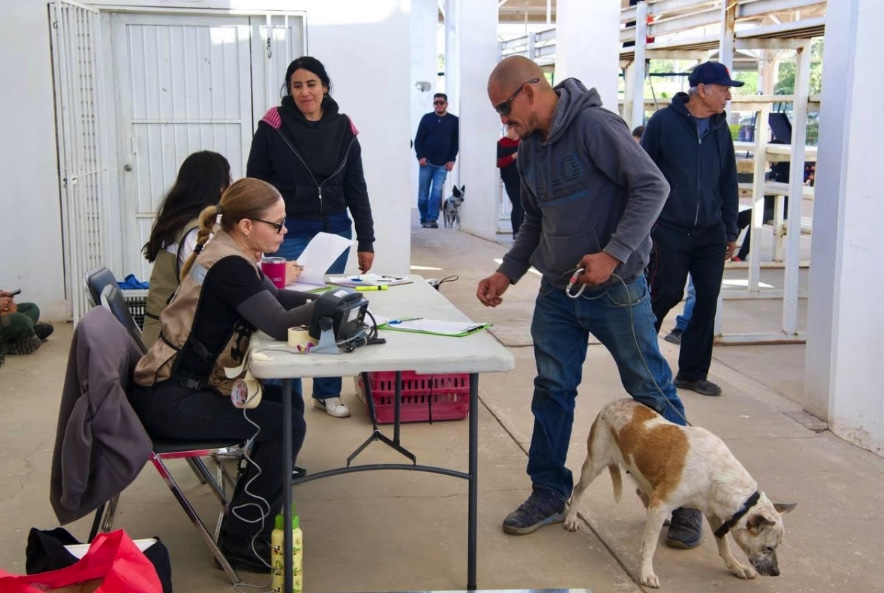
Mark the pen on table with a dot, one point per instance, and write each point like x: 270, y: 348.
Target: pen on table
x: 367, y: 288
x: 396, y: 321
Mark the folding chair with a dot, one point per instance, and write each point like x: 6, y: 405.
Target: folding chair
x: 102, y: 288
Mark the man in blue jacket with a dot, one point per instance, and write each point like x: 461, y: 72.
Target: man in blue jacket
x: 435, y: 145
x: 590, y: 195
x: 697, y: 229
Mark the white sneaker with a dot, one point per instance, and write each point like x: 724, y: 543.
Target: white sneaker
x: 333, y: 406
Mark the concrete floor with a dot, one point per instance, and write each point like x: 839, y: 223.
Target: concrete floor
x: 388, y: 531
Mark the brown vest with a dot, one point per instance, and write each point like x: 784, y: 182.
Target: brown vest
x: 176, y: 319
x: 163, y: 282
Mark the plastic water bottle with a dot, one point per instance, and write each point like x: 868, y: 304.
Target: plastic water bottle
x: 277, y: 560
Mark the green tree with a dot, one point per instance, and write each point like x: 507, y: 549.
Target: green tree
x: 786, y: 79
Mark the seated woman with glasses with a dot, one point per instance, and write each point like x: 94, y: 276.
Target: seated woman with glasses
x: 182, y: 391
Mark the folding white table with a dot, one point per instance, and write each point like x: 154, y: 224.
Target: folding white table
x: 403, y: 351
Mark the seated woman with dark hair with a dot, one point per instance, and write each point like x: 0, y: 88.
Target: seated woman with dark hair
x: 182, y: 391
x: 201, y: 180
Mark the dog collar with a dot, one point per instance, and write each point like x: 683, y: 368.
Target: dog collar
x: 726, y: 526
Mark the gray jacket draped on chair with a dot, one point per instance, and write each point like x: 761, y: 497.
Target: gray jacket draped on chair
x: 100, y: 444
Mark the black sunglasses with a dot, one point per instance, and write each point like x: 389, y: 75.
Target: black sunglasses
x: 439, y: 102
x: 507, y: 106
x: 277, y: 225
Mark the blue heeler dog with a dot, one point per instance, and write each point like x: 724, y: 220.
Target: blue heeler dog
x: 451, y: 207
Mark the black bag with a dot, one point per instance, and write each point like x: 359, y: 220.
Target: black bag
x: 46, y: 551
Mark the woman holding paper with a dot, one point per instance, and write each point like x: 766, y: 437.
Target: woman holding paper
x: 309, y: 151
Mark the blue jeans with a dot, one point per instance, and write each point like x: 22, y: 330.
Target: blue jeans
x: 681, y: 322
x: 294, y: 244
x: 620, y: 317
x: 431, y: 178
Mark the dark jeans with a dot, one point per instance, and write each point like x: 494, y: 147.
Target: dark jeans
x: 677, y: 253
x: 292, y: 247
x: 513, y: 191
x: 171, y: 411
x: 621, y: 318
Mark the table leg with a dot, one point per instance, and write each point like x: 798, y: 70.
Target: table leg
x: 472, y: 513
x: 286, y: 484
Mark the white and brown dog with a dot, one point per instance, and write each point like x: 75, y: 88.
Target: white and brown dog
x: 680, y: 466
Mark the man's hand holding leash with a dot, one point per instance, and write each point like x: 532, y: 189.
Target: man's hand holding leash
x: 597, y: 268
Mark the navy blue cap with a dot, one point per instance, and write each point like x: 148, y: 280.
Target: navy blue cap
x: 712, y: 73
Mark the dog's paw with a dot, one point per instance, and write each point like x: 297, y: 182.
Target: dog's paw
x: 571, y: 522
x: 649, y: 579
x: 744, y: 572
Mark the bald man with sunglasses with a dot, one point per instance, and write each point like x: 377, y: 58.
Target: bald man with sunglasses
x: 590, y: 194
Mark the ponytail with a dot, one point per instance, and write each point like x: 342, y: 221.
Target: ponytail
x: 207, y: 224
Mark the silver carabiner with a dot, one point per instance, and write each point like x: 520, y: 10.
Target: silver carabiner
x: 572, y: 282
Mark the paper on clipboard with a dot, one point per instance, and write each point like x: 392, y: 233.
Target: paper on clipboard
x: 369, y: 280
x: 436, y: 327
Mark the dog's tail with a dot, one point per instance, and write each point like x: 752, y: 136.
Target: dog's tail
x: 616, y: 481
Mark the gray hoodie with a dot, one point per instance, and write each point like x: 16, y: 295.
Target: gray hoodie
x: 589, y: 188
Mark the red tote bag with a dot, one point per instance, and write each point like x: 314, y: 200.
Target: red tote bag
x: 113, y: 564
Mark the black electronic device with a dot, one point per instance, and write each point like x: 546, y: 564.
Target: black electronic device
x: 15, y: 292
x: 339, y: 320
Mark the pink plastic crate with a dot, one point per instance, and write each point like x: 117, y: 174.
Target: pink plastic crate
x: 446, y: 397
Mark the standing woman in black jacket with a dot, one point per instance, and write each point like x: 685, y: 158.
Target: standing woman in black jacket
x: 309, y: 151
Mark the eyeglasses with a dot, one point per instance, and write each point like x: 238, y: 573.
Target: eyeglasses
x: 507, y: 106
x: 277, y: 225
x: 439, y: 102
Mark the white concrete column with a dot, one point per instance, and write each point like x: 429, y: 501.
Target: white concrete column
x: 452, y: 51
x: 588, y: 45
x: 424, y: 23
x: 471, y: 40
x: 845, y: 337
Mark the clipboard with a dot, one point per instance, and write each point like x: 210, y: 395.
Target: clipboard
x: 455, y: 329
x: 356, y: 280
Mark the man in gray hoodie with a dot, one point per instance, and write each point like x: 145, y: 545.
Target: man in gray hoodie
x: 590, y: 195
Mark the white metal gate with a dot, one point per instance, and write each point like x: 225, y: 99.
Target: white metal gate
x: 188, y: 83
x: 82, y: 156
x: 184, y: 84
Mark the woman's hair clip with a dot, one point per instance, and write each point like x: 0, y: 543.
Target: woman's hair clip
x: 198, y: 248
x: 218, y: 210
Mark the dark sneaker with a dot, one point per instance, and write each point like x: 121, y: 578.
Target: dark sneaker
x: 239, y: 553
x: 432, y: 225
x: 541, y: 508
x: 674, y: 337
x: 43, y: 330
x: 685, y: 529
x: 25, y: 345
x: 701, y: 386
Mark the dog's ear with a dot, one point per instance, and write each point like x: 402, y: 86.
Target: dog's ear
x: 784, y: 507
x: 757, y: 522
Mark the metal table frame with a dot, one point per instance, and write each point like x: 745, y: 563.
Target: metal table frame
x: 472, y: 354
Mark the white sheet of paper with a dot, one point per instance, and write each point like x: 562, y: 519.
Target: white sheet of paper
x: 320, y: 253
